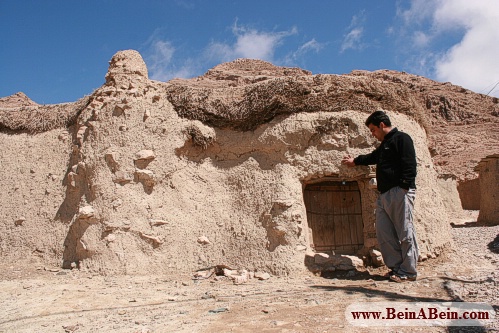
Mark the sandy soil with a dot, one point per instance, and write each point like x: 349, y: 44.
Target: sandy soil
x: 44, y: 299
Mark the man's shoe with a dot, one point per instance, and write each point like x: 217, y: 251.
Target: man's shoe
x: 403, y: 278
x: 390, y: 274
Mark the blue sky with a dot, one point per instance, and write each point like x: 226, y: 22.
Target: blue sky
x: 58, y: 51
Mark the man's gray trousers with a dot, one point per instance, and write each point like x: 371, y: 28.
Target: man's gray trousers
x: 395, y: 230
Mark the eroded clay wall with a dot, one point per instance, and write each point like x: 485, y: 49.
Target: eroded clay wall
x: 243, y: 191
x: 107, y: 208
x: 135, y: 189
x: 450, y: 195
x: 489, y: 191
x: 32, y: 192
x: 469, y: 193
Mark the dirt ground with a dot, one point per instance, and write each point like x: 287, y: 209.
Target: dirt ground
x: 45, y: 299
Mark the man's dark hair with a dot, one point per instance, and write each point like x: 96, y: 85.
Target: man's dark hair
x: 378, y: 117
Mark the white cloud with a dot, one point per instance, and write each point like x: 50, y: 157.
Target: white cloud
x: 418, y: 12
x: 421, y: 39
x: 310, y: 46
x: 250, y: 43
x: 353, y: 39
x: 160, y: 61
x: 164, y: 59
x: 185, y: 4
x: 472, y: 60
x: 161, y: 55
x: 256, y: 45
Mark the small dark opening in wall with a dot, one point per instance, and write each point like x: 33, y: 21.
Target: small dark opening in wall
x: 334, y: 215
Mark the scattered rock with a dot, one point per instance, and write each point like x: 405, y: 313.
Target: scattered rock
x: 145, y: 155
x: 155, y: 240
x: 80, y: 136
x: 156, y: 223
x: 120, y: 109
x: 238, y: 277
x: 71, y: 328
x: 321, y: 258
x: 269, y: 310
x: 318, y: 262
x: 347, y: 263
x: 110, y: 238
x: 200, y: 134
x: 53, y: 270
x: 147, y: 114
x: 145, y: 176
x: 207, y: 295
x: 203, y: 240
x: 143, y: 158
x: 19, y: 221
x: 86, y: 212
x: 301, y: 247
x: 116, y: 203
x: 262, y: 276
x: 111, y: 160
x: 278, y: 323
x: 72, y: 177
x: 219, y: 310
x: 122, y: 177
x: 376, y: 258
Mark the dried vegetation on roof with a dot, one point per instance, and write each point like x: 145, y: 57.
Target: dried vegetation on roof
x: 246, y: 93
x: 34, y: 118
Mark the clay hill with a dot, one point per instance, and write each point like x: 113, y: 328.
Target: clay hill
x: 239, y: 167
x: 461, y: 125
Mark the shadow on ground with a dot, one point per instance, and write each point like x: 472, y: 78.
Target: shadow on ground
x: 494, y: 245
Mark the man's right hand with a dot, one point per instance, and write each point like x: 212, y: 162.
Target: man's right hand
x: 348, y: 161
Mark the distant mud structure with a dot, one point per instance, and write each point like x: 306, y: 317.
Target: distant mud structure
x: 238, y: 167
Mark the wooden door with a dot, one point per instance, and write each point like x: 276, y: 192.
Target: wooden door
x: 334, y: 214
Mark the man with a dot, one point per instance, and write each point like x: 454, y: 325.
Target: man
x: 395, y: 161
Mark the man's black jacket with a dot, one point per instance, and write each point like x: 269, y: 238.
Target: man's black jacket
x: 395, y: 161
